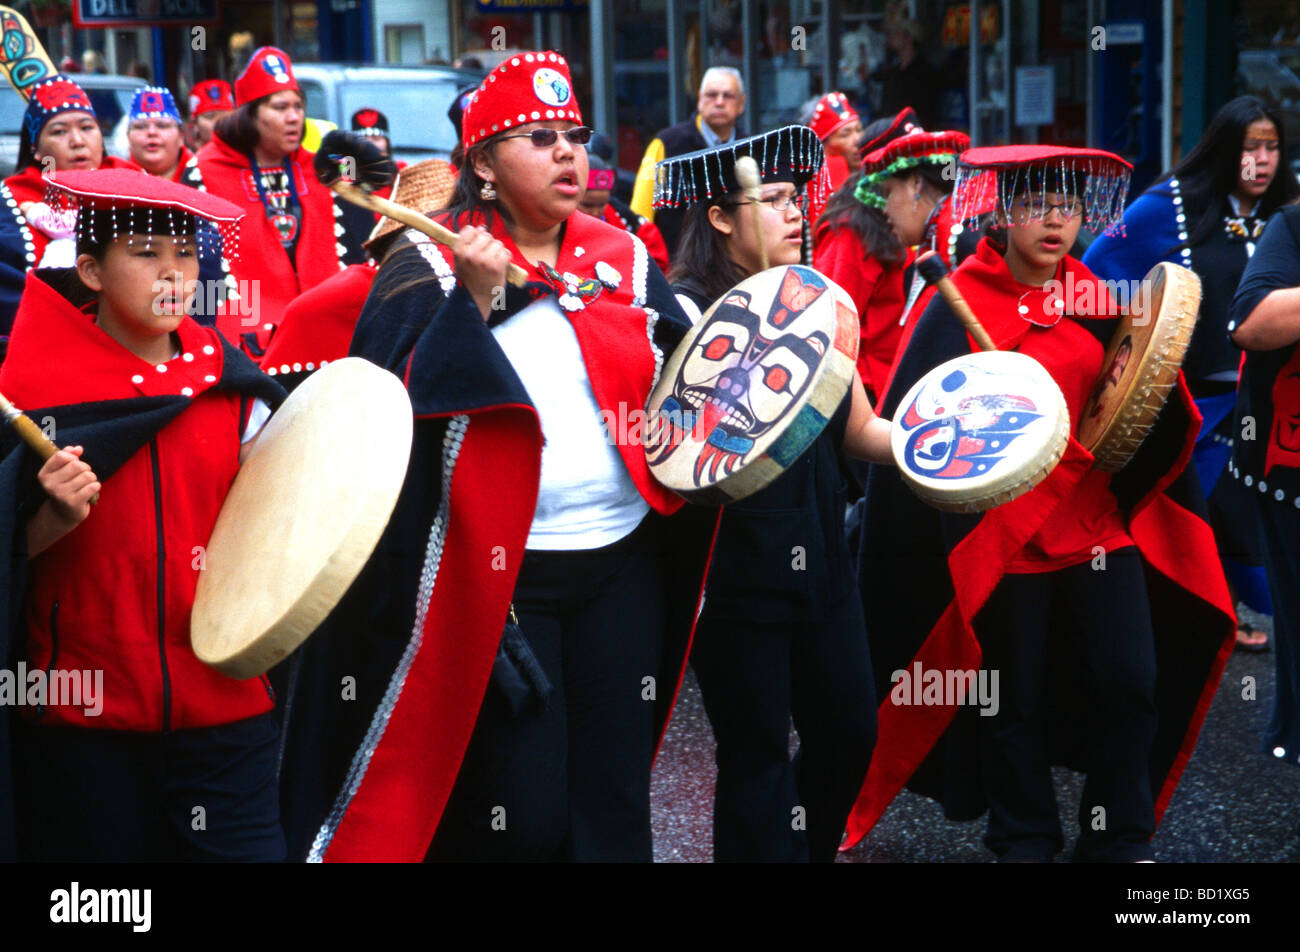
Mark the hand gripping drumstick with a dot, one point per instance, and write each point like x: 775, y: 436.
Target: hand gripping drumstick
x: 31, y: 433
x: 934, y: 271
x: 747, y: 176
x: 371, y: 170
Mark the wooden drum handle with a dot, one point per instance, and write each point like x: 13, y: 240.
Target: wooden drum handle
x: 422, y: 223
x: 931, y: 267
x: 31, y: 434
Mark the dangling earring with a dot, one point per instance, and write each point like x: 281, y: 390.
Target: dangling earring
x: 487, y: 192
x: 916, y: 199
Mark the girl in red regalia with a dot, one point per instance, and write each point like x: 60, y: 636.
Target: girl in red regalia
x: 1083, y: 594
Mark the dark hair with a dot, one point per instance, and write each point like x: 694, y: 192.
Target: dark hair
x: 871, y: 226
x: 702, y: 253
x: 1210, y: 172
x: 238, y: 129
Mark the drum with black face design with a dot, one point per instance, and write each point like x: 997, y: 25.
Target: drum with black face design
x: 752, y: 385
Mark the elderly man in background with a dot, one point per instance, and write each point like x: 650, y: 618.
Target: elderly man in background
x: 721, y: 102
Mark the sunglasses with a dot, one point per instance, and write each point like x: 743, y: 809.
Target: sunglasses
x: 546, y: 137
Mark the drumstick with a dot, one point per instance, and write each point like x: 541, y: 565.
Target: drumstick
x: 931, y: 267
x: 371, y: 170
x: 422, y: 223
x: 31, y: 434
x: 747, y: 176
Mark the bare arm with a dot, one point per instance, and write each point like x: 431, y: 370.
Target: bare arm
x: 867, y: 435
x: 1274, y: 323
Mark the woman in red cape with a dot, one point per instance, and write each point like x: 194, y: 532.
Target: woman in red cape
x: 495, y: 683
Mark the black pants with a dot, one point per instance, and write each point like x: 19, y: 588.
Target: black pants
x: 571, y: 781
x: 209, y: 793
x: 1281, y: 531
x: 754, y: 677
x: 1106, y: 614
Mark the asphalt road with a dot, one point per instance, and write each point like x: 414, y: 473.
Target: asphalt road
x: 1234, y: 803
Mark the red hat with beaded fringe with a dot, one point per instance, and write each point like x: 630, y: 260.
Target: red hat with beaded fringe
x: 528, y: 87
x: 135, y: 202
x: 990, y: 178
x: 832, y: 113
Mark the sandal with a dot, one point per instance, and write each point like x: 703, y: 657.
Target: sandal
x: 1251, y: 639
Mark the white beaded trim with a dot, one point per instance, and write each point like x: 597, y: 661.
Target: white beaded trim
x: 451, y: 444
x: 1181, y: 220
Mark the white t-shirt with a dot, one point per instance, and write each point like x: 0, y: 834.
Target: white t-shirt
x: 587, y: 498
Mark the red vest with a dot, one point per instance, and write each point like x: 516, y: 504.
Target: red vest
x: 317, y: 327
x: 115, y: 594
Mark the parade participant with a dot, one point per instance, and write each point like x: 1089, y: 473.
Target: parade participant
x: 836, y: 124
x: 154, y: 133
x: 318, y: 324
x: 60, y: 133
x: 777, y: 638
x: 525, y: 509
x: 373, y: 124
x: 1077, y: 595
x: 854, y: 246
x: 598, y: 201
x: 295, y: 234
x: 1207, y: 215
x: 910, y: 179
x: 1263, y: 322
x: 721, y: 102
x: 210, y: 101
x: 144, y: 400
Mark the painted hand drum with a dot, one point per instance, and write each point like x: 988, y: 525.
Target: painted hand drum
x: 1141, y: 366
x: 302, y: 516
x: 979, y: 430
x: 752, y: 385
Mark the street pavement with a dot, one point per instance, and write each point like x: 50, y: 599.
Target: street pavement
x: 1234, y: 803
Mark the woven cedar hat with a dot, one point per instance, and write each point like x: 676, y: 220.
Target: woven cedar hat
x: 529, y: 87
x: 989, y: 179
x: 424, y: 187
x: 902, y: 124
x: 832, y: 113
x: 906, y: 153
x: 789, y: 154
x: 136, y: 202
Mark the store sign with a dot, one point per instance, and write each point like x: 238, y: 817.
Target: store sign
x: 136, y: 13
x: 530, y: 6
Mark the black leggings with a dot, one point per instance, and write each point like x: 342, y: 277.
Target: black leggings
x: 205, y: 794
x: 571, y: 781
x: 754, y: 677
x: 1106, y: 613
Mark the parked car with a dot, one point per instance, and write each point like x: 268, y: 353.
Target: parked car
x: 110, y: 95
x: 414, y: 98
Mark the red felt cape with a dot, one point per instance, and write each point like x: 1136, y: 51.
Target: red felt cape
x: 317, y: 325
x: 398, y: 804
x: 1172, y: 540
x: 876, y: 289
x: 227, y: 173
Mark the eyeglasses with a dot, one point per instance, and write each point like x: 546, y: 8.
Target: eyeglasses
x: 1023, y: 211
x: 1254, y: 145
x: 542, y: 138
x: 782, y: 202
